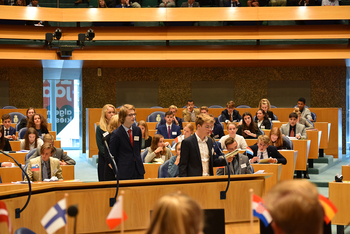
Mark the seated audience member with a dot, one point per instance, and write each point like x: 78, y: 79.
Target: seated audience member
x: 21, y: 3
x: 108, y: 172
x: 176, y: 213
x: 302, y: 120
x: 330, y: 2
x: 262, y: 120
x: 177, y: 121
x: 9, y: 131
x: 217, y: 130
x: 173, y: 168
x: 4, y: 142
x: 30, y: 113
x: 294, y: 129
x: 278, y: 2
x: 305, y: 112
x: 124, y: 4
x: 59, y: 153
x: 44, y: 167
x: 190, y: 3
x: 253, y: 3
x: 240, y: 163
x: 197, y: 157
x: 263, y: 150
x: 266, y: 106
x: 158, y: 152
x: 277, y: 139
x: 189, y: 114
x: 169, y: 130
x: 205, y: 110
x: 306, y: 3
x: 39, y: 123
x: 102, y: 4
x: 187, y: 132
x: 232, y: 3
x: 34, y: 3
x: 31, y: 140
x: 295, y: 208
x: 230, y: 114
x: 146, y: 138
x: 248, y: 129
x: 167, y: 3
x: 232, y: 129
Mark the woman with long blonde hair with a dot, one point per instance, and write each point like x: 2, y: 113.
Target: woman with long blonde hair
x: 109, y: 170
x: 107, y: 112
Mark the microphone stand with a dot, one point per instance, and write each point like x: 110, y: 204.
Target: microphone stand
x: 115, y: 169
x: 18, y: 211
x: 223, y: 193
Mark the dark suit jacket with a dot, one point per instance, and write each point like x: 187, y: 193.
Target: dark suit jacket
x: 190, y: 160
x: 179, y: 120
x: 185, y: 4
x: 271, y: 151
x: 12, y: 131
x: 127, y: 158
x: 120, y: 6
x: 266, y: 123
x: 7, y: 146
x: 218, y: 131
x: 162, y: 130
x: 225, y: 116
x: 228, y: 4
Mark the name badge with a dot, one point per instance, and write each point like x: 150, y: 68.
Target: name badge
x: 54, y: 172
x: 262, y: 127
x: 174, y: 133
x: 136, y: 138
x: 243, y: 165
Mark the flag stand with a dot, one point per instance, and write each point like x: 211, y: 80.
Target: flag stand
x: 122, y: 231
x: 251, y: 191
x: 66, y: 197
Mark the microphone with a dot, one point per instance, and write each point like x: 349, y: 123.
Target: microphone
x: 115, y: 169
x: 18, y: 210
x: 72, y: 212
x: 223, y: 193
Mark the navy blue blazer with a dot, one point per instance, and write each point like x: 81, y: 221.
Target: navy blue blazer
x: 127, y: 158
x: 225, y: 116
x: 190, y: 160
x: 179, y: 120
x: 175, y: 131
x: 120, y: 6
x: 218, y: 131
x: 12, y: 131
x: 271, y: 151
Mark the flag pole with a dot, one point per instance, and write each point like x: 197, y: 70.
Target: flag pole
x: 251, y: 191
x: 122, y: 193
x: 66, y: 197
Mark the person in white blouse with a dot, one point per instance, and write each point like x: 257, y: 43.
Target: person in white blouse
x: 31, y: 140
x: 232, y: 129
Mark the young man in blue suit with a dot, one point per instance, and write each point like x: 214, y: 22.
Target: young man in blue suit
x: 169, y: 130
x: 9, y: 131
x: 177, y: 121
x: 125, y: 145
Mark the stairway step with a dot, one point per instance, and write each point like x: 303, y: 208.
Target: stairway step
x: 93, y: 160
x: 326, y: 159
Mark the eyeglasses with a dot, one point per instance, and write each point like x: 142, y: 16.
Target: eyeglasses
x: 131, y: 115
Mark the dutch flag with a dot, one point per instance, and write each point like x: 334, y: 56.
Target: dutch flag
x: 249, y: 151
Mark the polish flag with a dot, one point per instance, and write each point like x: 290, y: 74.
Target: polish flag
x: 4, y: 216
x: 117, y: 215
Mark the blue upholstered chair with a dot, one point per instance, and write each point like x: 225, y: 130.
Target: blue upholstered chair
x: 156, y: 107
x: 24, y: 230
x: 16, y: 117
x: 243, y: 106
x: 156, y: 116
x: 193, y: 107
x: 215, y: 106
x: 288, y: 141
x: 144, y: 154
x: 9, y: 107
x: 275, y: 116
x: 272, y: 106
x: 163, y: 170
x: 219, y: 118
x: 314, y: 116
x: 21, y: 133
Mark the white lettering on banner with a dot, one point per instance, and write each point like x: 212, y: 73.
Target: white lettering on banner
x: 60, y: 94
x: 63, y: 112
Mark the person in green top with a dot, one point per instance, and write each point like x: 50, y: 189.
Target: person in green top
x: 107, y: 112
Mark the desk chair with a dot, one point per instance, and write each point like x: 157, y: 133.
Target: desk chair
x: 163, y: 170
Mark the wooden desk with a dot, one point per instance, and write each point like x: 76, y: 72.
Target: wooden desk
x: 20, y: 157
x: 16, y: 145
x: 325, y: 128
x: 151, y: 170
x: 339, y: 195
x: 315, y: 137
x: 275, y: 169
x: 345, y: 170
x: 289, y: 168
x: 12, y: 174
x: 151, y: 125
x: 303, y: 148
x: 140, y: 197
x: 169, y: 140
x: 251, y: 142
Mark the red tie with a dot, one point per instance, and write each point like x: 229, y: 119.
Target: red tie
x: 169, y: 132
x: 131, y: 141
x: 231, y: 117
x: 292, y: 134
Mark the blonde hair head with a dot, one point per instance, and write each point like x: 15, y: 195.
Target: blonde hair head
x: 296, y: 110
x: 144, y: 124
x: 264, y: 139
x: 263, y: 102
x: 203, y: 118
x: 113, y: 123
x: 103, y: 119
x: 176, y: 213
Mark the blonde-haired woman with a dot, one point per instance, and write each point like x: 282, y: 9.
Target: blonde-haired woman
x: 176, y: 213
x: 146, y: 138
x: 266, y: 106
x: 109, y: 173
x: 158, y: 152
x: 107, y: 112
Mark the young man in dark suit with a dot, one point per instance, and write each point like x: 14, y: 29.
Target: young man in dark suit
x: 169, y: 130
x: 230, y: 114
x: 196, y: 158
x: 262, y: 150
x: 9, y: 131
x: 177, y: 120
x: 125, y: 145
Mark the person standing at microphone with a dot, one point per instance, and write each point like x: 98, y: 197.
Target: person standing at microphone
x: 240, y: 163
x: 125, y: 145
x: 197, y: 152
